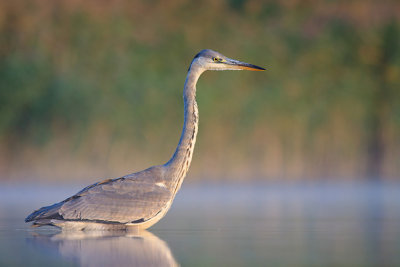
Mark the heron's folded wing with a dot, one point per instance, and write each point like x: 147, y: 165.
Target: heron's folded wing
x: 122, y: 200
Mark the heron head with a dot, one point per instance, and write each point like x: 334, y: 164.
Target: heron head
x: 208, y: 59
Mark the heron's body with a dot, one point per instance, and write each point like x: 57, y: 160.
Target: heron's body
x: 141, y: 199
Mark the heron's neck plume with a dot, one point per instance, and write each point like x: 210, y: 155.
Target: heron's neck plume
x: 179, y: 164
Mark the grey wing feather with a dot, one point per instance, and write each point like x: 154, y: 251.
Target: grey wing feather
x: 128, y: 199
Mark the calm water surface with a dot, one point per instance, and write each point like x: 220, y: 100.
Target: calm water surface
x: 266, y: 224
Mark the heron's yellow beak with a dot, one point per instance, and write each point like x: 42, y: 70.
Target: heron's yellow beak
x: 239, y: 65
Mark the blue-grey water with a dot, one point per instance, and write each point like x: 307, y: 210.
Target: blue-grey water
x: 263, y: 224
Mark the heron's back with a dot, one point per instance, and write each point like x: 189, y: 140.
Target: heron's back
x: 134, y: 199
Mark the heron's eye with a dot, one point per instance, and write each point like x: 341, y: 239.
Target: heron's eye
x: 215, y: 59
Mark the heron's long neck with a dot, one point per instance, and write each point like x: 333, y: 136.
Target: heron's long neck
x: 179, y: 164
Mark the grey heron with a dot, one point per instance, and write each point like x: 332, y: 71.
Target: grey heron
x: 141, y: 199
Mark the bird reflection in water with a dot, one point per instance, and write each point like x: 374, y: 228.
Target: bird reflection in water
x: 108, y: 248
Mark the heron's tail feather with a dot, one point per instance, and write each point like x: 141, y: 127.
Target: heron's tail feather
x: 49, y: 212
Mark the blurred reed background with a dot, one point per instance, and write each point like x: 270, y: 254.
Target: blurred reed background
x: 92, y: 89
